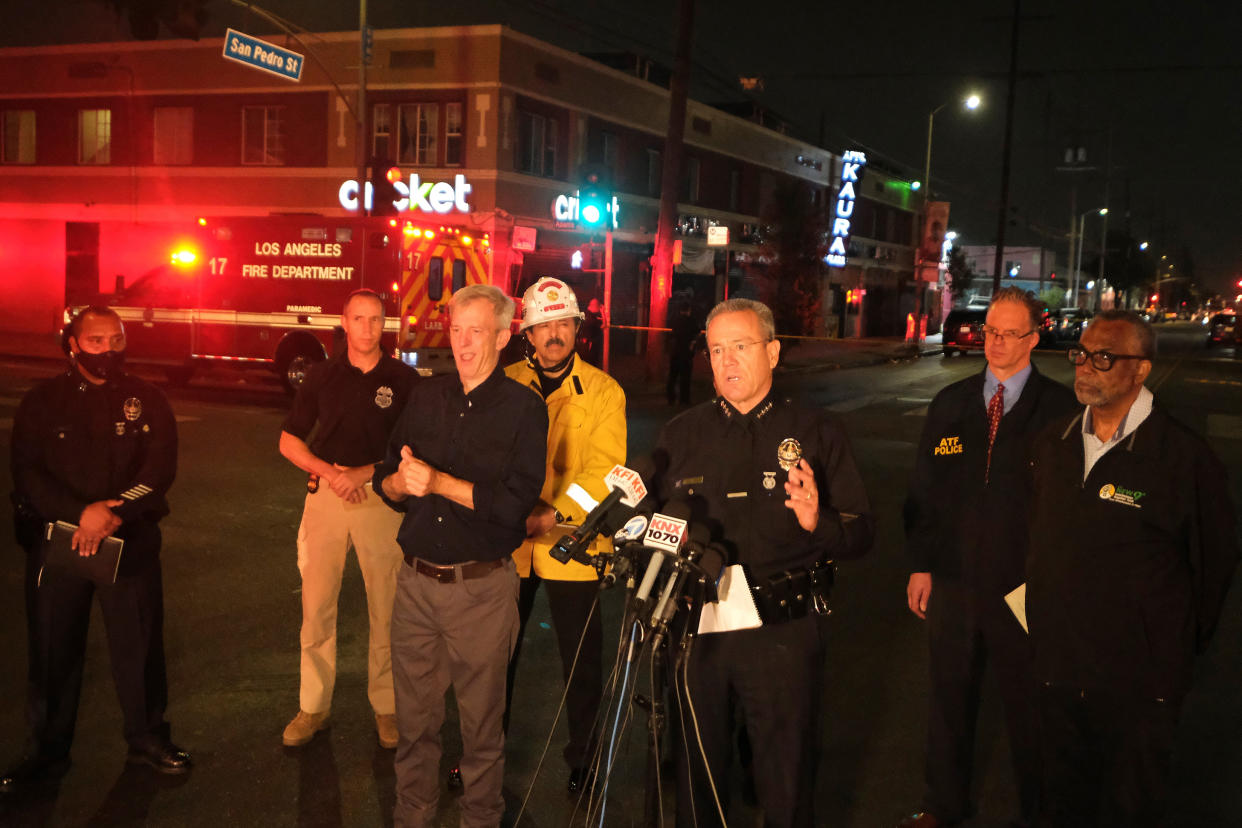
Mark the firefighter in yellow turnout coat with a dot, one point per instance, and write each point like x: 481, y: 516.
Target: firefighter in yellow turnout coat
x: 586, y: 438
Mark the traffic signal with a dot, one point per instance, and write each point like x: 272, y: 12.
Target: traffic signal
x: 383, y: 176
x: 368, y: 44
x: 594, y: 200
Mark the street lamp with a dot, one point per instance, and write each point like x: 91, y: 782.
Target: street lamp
x: 1082, y: 221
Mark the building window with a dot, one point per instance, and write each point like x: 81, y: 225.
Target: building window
x: 95, y: 136
x: 174, y: 135
x: 454, y: 135
x: 735, y: 190
x: 19, y: 136
x: 690, y: 192
x: 536, y: 146
x: 381, y: 132
x: 417, y: 124
x: 654, y: 171
x: 263, y: 135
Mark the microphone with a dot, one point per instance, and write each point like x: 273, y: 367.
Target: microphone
x: 627, y: 488
x: 665, y: 533
x: 698, y: 536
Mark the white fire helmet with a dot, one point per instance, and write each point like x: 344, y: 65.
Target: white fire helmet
x: 548, y: 299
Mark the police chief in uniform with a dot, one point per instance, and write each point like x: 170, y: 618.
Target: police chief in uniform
x: 776, y: 484
x: 966, y: 538
x: 465, y: 464
x: 346, y: 408
x: 97, y: 448
x: 1133, y: 545
x: 586, y: 438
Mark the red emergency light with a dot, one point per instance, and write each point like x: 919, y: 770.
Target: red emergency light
x: 184, y: 256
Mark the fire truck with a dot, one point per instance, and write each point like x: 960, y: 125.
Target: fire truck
x: 269, y: 291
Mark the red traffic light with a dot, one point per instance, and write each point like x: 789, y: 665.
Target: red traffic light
x: 393, y: 174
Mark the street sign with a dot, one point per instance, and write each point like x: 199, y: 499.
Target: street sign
x: 260, y: 54
x: 524, y: 239
x: 717, y: 235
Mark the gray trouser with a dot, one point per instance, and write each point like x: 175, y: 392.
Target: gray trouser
x: 463, y: 634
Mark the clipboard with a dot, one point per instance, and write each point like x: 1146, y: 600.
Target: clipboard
x: 58, y: 553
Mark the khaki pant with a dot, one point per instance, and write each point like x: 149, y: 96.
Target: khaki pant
x: 330, y: 526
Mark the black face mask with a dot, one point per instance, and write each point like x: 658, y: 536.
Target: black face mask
x: 109, y: 365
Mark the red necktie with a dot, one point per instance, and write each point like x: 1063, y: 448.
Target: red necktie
x: 996, y: 407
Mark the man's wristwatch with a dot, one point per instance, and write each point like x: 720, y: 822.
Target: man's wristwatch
x: 559, y: 517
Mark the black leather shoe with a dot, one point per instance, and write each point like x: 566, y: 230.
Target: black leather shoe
x: 454, y: 777
x: 32, y: 771
x: 579, y: 780
x: 166, y: 758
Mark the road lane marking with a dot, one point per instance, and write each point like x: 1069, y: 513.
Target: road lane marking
x: 846, y: 406
x: 1213, y: 381
x: 921, y: 411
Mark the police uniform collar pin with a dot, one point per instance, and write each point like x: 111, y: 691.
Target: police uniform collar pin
x: 788, y: 453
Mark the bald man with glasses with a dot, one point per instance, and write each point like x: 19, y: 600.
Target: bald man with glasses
x: 1133, y: 546
x: 966, y: 539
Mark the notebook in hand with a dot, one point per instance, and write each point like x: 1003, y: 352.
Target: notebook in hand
x: 58, y: 552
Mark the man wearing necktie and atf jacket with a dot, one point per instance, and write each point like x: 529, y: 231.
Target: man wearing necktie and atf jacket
x: 966, y: 537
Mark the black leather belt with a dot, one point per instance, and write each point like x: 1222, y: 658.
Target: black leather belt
x: 448, y: 574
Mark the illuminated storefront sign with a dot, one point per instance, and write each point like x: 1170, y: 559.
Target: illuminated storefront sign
x: 423, y: 196
x: 852, y: 164
x: 570, y: 210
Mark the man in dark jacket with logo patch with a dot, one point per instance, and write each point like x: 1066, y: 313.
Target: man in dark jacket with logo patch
x: 1133, y: 545
x: 966, y: 537
x: 97, y: 448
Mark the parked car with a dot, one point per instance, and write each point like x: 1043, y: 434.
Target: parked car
x: 1221, y: 329
x: 963, y: 330
x: 1071, y: 322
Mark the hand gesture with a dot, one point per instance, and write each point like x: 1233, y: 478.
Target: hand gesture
x: 417, y: 478
x: 349, y: 483
x: 96, y: 523
x: 918, y: 590
x: 803, y: 495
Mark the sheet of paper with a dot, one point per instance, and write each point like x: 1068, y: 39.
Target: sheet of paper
x: 736, y: 608
x: 1017, y: 605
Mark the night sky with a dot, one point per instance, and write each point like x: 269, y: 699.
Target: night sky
x: 1152, y: 91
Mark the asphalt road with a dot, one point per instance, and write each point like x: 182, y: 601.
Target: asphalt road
x: 231, y: 588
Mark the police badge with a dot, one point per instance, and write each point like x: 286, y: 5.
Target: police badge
x: 383, y: 396
x: 132, y: 409
x: 788, y: 453
x: 769, y: 480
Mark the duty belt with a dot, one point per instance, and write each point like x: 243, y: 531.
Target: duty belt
x: 788, y: 595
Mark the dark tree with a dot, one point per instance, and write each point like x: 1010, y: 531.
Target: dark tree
x: 794, y: 245
x: 182, y: 18
x: 959, y: 276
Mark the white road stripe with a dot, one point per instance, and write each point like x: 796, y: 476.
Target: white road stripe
x: 921, y: 411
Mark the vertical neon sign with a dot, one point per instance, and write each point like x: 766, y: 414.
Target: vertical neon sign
x: 852, y: 164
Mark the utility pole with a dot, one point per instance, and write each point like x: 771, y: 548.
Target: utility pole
x: 670, y: 186
x: 1007, y: 150
x: 361, y: 119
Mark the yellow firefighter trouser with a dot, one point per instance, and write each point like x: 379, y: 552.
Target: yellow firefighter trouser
x: 330, y: 526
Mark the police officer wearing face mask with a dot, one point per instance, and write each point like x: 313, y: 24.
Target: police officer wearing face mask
x: 96, y: 448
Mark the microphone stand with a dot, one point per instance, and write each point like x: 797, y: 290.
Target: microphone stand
x: 637, y: 645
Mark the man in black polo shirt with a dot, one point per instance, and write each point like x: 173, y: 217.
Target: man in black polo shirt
x: 465, y: 464
x: 351, y: 402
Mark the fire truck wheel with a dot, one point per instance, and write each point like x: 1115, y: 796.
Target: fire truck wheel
x: 293, y: 369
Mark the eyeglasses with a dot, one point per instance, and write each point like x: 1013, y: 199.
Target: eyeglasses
x: 738, y: 349
x: 1100, y: 360
x: 1001, y: 336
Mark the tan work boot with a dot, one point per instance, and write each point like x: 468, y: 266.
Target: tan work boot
x: 303, y: 728
x: 386, y: 727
